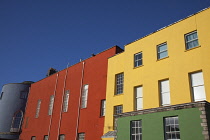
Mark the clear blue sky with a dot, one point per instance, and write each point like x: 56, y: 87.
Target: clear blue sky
x: 38, y: 34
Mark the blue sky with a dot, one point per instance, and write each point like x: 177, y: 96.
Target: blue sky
x: 38, y: 34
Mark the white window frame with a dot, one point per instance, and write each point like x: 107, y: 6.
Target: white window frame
x: 38, y: 108
x: 171, y: 126
x: 165, y: 92
x: 159, y: 52
x: 197, y: 86
x: 136, y: 130
x: 81, y: 136
x: 51, y: 103
x: 84, y: 96
x: 138, y: 59
x: 187, y: 42
x: 119, y: 83
x: 103, y: 107
x: 138, y: 97
x: 66, y: 101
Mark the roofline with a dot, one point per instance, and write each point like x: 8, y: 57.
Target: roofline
x: 168, y: 25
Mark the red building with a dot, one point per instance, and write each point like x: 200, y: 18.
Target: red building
x: 69, y: 104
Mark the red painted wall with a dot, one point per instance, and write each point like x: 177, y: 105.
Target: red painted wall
x: 90, y: 122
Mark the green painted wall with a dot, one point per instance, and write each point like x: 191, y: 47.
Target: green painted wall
x: 153, y: 128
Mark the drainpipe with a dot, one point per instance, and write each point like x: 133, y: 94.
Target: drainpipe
x: 61, y: 108
x: 53, y: 105
x: 78, y: 110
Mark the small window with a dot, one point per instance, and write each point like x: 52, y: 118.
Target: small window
x: 81, y: 136
x: 119, y: 83
x: 136, y: 130
x: 46, y: 137
x: 138, y: 98
x: 23, y: 95
x: 38, y: 108
x: 118, y: 109
x: 191, y: 40
x: 50, y: 110
x: 66, y: 101
x: 1, y: 94
x: 138, y: 59
x: 84, y: 96
x: 197, y: 86
x: 33, y: 138
x: 165, y: 92
x: 103, y: 107
x: 172, y: 131
x: 16, y: 122
x: 162, y: 51
x: 61, y: 137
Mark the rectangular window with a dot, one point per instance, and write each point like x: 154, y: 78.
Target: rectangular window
x: 172, y: 131
x: 165, y: 92
x: 162, y: 51
x: 191, y: 40
x: 81, y: 136
x: 139, y: 98
x: 1, y: 94
x: 119, y: 83
x: 50, y: 110
x: 61, y: 137
x: 46, y: 137
x: 66, y: 101
x: 38, y: 108
x: 138, y: 59
x: 33, y: 138
x: 118, y: 109
x: 23, y: 95
x: 84, y: 96
x: 136, y: 130
x: 103, y: 107
x: 197, y: 85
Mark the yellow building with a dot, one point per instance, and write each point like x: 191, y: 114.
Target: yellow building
x: 168, y: 67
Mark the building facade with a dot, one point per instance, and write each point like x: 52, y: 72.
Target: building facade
x: 69, y: 104
x: 13, y: 98
x: 167, y: 67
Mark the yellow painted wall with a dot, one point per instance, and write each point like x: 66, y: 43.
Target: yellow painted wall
x: 179, y: 63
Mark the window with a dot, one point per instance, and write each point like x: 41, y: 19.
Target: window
x: 162, y: 51
x: 16, y: 122
x: 197, y: 85
x: 118, y: 109
x: 165, y: 92
x: 138, y: 59
x: 26, y: 123
x: 191, y: 40
x: 136, y: 130
x: 33, y: 138
x: 81, y: 136
x: 119, y: 83
x: 84, y: 96
x: 51, y: 105
x: 139, y: 98
x: 1, y: 94
x: 61, y: 137
x: 46, y: 137
x: 23, y: 95
x: 66, y: 101
x: 38, y: 108
x: 172, y: 131
x: 103, y: 107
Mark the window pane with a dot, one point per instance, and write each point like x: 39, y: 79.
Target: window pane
x: 199, y: 93
x: 84, y: 96
x: 119, y: 83
x: 191, y: 40
x: 162, y: 54
x: 197, y: 79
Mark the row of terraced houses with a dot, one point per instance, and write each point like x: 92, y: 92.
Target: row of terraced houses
x: 158, y: 87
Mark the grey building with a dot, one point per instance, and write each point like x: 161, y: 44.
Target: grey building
x: 13, y: 98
